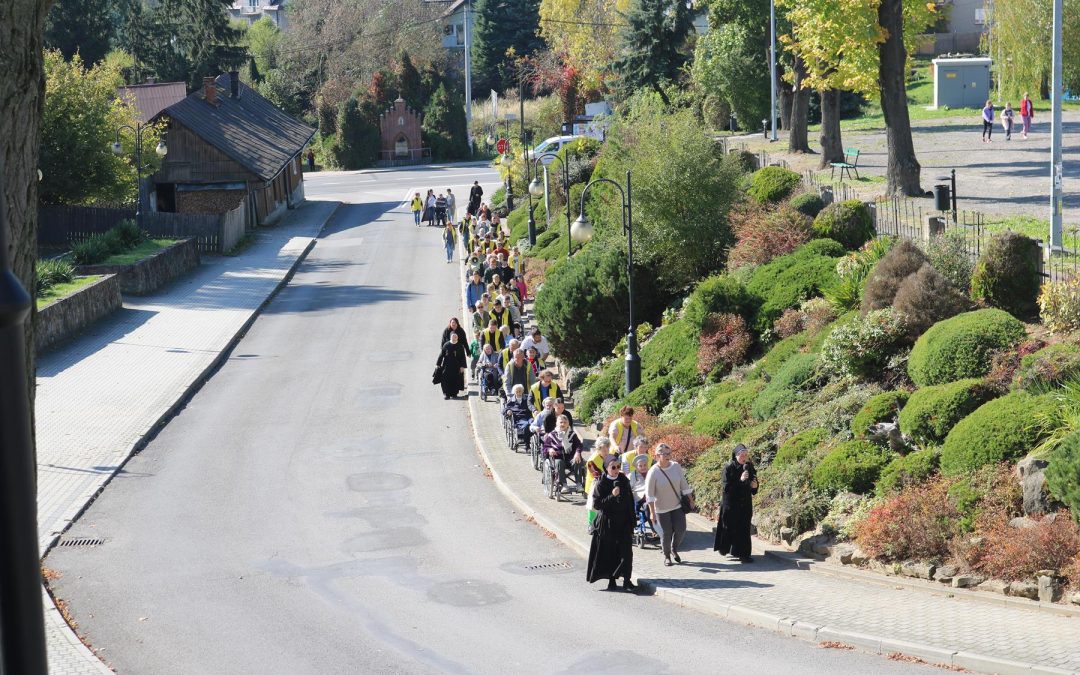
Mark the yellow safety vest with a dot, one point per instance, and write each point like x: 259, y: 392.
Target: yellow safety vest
x: 621, y: 430
x: 417, y: 205
x: 502, y: 319
x: 494, y: 339
x: 553, y: 392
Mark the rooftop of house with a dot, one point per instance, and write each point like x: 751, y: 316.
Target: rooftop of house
x: 153, y: 97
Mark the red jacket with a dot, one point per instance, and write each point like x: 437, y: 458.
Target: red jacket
x: 1026, y: 108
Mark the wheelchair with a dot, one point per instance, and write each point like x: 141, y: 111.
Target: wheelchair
x: 490, y: 382
x: 516, y: 436
x: 644, y: 533
x: 553, y: 470
x: 536, y: 444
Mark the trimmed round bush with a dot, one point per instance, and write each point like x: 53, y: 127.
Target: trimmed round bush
x: 961, y: 347
x: 881, y: 408
x: 926, y: 297
x: 721, y: 294
x: 790, y: 279
x: 785, y: 386
x: 799, y: 446
x: 902, y: 260
x: 1002, y: 430
x: 1063, y: 474
x: 908, y: 470
x: 853, y: 466
x: 727, y: 412
x: 1007, y: 274
x: 932, y: 412
x: 1048, y: 367
x: 773, y: 184
x: 862, y: 347
x: 849, y: 223
x: 808, y: 204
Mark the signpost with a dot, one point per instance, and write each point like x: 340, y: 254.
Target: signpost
x: 502, y: 146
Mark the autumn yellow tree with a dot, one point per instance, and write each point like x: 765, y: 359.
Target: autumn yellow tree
x: 585, y: 33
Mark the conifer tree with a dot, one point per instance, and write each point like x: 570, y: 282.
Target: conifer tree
x: 502, y: 26
x: 652, y: 46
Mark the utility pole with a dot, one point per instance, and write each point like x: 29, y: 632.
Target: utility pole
x: 1055, y: 136
x: 468, y: 76
x: 772, y: 68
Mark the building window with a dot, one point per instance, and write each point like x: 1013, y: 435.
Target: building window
x: 980, y: 16
x: 459, y: 33
x: 401, y: 121
x: 253, y: 4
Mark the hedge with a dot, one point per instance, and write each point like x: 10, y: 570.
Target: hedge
x: 932, y: 412
x: 1002, y: 430
x: 853, y: 466
x: 727, y: 412
x: 961, y: 347
x: 721, y: 294
x: 1007, y: 274
x: 773, y: 184
x: 607, y: 385
x: 790, y: 279
x: 881, y: 408
x: 1063, y: 474
x: 799, y: 446
x: 784, y: 388
x: 849, y: 223
x: 808, y: 204
x: 908, y: 470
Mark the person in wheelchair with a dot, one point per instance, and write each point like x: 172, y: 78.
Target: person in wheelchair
x: 518, y: 409
x: 563, y: 447
x: 489, y: 370
x: 637, y: 483
x: 540, y: 422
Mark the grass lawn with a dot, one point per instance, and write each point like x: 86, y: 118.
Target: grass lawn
x: 140, y: 252
x: 1037, y: 228
x: 61, y: 290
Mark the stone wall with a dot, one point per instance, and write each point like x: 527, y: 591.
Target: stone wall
x: 208, y: 201
x: 62, y: 319
x: 146, y: 276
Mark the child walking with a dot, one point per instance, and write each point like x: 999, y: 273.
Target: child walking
x: 1007, y: 116
x: 988, y: 122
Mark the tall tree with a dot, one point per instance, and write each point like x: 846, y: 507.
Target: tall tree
x: 409, y: 82
x: 505, y: 29
x: 652, y: 46
x: 729, y: 63
x: 585, y: 34
x: 444, y: 125
x: 357, y: 142
x: 902, y: 168
x: 85, y: 27
x: 1019, y: 32
x: 798, y: 123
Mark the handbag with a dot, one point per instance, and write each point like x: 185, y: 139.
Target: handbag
x: 684, y: 500
x: 436, y: 377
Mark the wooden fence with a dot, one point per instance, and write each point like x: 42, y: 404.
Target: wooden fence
x: 61, y: 226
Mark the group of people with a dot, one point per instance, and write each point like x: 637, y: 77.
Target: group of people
x: 627, y: 486
x: 1008, y: 117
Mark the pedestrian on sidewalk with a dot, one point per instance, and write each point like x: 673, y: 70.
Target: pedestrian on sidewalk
x: 1007, y: 115
x: 429, y: 208
x: 449, y: 238
x: 738, y: 487
x: 450, y: 368
x: 611, y: 554
x: 1027, y: 112
x: 417, y: 206
x: 454, y: 327
x: 310, y: 159
x: 988, y: 122
x: 670, y: 497
x: 451, y: 205
x: 594, y: 468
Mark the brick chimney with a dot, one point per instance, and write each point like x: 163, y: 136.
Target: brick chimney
x: 234, y: 83
x: 210, y: 90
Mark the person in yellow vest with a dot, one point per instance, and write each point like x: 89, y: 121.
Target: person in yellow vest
x: 624, y: 429
x: 492, y: 336
x: 638, y: 448
x: 417, y: 206
x: 499, y: 314
x: 594, y: 468
x: 507, y: 355
x: 545, y: 387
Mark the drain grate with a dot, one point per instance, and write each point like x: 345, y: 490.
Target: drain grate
x: 549, y: 567
x: 82, y: 541
x: 539, y: 567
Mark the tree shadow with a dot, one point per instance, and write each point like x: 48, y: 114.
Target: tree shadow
x: 113, y: 328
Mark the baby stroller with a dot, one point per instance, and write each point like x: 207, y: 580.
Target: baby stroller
x: 644, y: 532
x: 490, y: 381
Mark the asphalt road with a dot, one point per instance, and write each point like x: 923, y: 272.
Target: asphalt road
x: 319, y: 508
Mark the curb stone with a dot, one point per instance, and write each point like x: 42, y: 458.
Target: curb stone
x: 53, y: 616
x: 787, y: 626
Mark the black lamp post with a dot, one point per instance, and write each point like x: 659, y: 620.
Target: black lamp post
x: 536, y: 189
x: 582, y: 230
x: 509, y: 181
x: 118, y: 149
x: 22, y: 619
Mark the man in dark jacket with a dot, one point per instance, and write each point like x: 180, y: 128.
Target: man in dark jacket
x: 476, y: 193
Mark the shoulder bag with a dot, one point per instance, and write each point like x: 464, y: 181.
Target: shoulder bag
x: 684, y: 500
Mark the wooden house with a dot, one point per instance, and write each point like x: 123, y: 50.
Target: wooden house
x: 230, y: 149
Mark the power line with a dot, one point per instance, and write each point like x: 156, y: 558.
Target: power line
x: 353, y: 38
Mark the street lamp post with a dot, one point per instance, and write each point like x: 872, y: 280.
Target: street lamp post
x: 509, y: 181
x: 525, y: 153
x: 118, y: 149
x: 582, y: 231
x: 536, y: 188
x: 22, y: 620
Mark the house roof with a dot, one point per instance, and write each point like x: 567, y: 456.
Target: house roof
x: 249, y: 129
x: 151, y: 98
x: 453, y: 8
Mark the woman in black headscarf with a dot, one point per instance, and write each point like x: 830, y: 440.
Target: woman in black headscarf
x: 611, y: 554
x: 738, y: 487
x: 454, y: 327
x: 450, y: 368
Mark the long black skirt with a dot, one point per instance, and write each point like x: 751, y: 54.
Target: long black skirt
x: 453, y: 381
x: 611, y: 555
x: 733, y: 531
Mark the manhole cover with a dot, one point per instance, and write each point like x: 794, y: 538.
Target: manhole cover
x: 82, y: 541
x: 540, y: 567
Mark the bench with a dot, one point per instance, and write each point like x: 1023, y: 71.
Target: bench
x: 850, y: 163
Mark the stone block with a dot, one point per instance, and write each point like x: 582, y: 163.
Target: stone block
x: 994, y: 586
x: 1023, y: 589
x: 917, y: 569
x: 1049, y: 588
x: 1032, y: 474
x: 966, y: 581
x: 65, y: 317
x: 787, y: 535
x: 1022, y: 523
x: 945, y: 573
x: 1074, y: 598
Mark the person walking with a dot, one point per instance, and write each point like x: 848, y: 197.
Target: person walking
x: 310, y: 160
x: 988, y: 122
x: 451, y: 205
x: 670, y: 497
x: 1027, y: 112
x: 453, y: 327
x: 450, y: 368
x: 611, y: 553
x: 1007, y: 115
x: 429, y: 207
x: 476, y: 193
x: 738, y: 487
x: 417, y: 206
x: 449, y: 237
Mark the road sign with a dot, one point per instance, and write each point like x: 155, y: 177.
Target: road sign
x: 502, y: 146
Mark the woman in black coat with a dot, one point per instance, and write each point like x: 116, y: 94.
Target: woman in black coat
x: 454, y: 327
x: 450, y: 368
x: 738, y: 486
x: 611, y: 554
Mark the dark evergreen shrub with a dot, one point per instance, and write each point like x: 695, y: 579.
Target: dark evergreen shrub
x: 903, y: 260
x: 1007, y: 275
x: 849, y: 223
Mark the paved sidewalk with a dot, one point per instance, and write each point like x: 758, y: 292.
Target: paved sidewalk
x: 102, y: 395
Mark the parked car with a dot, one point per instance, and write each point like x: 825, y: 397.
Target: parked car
x: 553, y: 144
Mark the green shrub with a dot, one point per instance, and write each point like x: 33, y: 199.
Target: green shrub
x: 800, y: 446
x: 884, y: 407
x: 780, y: 353
x: 925, y: 298
x: 789, y: 280
x: 949, y: 255
x: 784, y: 388
x: 49, y: 273
x: 129, y: 234
x: 849, y: 223
x: 1063, y: 474
x: 1007, y: 274
x: 903, y: 260
x: 726, y: 412
x: 546, y: 238
x: 862, y: 347
x: 606, y: 386
x: 650, y: 395
x: 1002, y: 430
x: 932, y: 412
x: 720, y: 294
x: 908, y: 470
x: 962, y: 346
x: 773, y: 184
x: 1048, y: 367
x: 808, y: 204
x: 91, y: 251
x: 1059, y: 304
x: 853, y: 466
